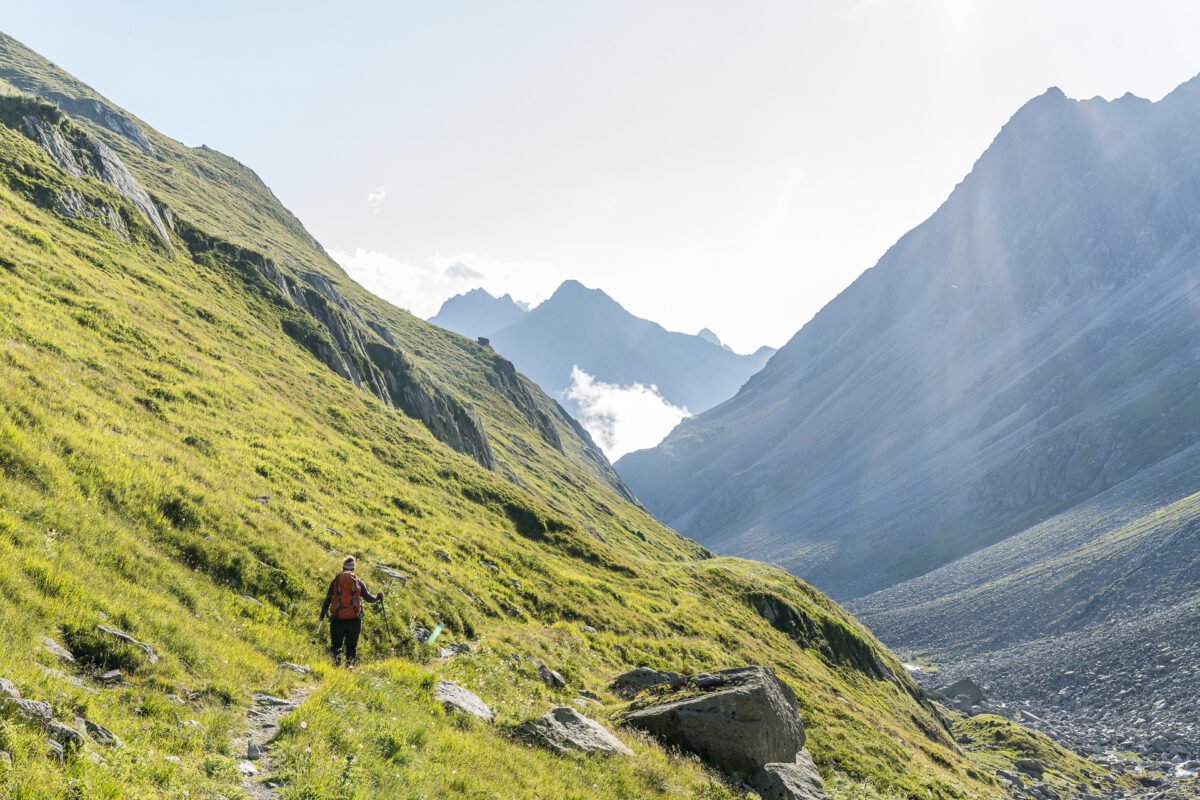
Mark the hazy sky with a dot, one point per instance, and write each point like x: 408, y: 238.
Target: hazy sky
x: 722, y: 164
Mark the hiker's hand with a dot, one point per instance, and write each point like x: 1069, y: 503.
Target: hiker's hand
x: 381, y: 594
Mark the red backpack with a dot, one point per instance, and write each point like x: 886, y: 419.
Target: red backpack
x: 347, y: 604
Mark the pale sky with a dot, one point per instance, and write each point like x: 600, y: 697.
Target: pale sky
x: 723, y: 164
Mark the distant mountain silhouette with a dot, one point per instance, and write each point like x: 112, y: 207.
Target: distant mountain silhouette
x: 1032, y: 344
x: 583, y: 327
x: 476, y: 313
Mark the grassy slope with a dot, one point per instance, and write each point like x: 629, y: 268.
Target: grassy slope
x: 149, y: 399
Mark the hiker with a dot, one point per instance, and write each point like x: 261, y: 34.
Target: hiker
x: 343, y: 603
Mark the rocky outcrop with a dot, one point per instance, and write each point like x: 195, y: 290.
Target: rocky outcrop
x: 449, y: 419
x: 563, y: 729
x: 147, y: 650
x: 504, y: 379
x: 81, y: 155
x: 454, y: 697
x: 98, y: 112
x: 326, y: 325
x: 750, y: 720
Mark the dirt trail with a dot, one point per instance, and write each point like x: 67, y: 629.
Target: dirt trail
x: 262, y: 724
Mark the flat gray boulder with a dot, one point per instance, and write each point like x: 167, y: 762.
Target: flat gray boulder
x: 57, y: 650
x: 639, y: 680
x: 746, y: 723
x: 797, y: 780
x: 563, y: 729
x: 457, y: 698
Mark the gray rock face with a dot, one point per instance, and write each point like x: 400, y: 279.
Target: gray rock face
x: 87, y: 155
x: 31, y: 710
x: 64, y: 734
x: 110, y: 118
x: 749, y: 722
x: 563, y: 728
x: 551, y: 678
x: 798, y: 780
x: 101, y: 734
x: 8, y: 690
x: 55, y: 649
x: 149, y: 652
x: 455, y: 697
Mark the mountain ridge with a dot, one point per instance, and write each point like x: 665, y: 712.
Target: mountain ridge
x: 974, y: 322
x: 585, y: 327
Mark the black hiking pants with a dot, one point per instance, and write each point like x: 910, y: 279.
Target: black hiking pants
x: 344, y: 633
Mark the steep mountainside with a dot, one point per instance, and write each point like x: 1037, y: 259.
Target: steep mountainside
x: 583, y: 327
x: 1030, y: 345
x: 201, y: 414
x: 476, y: 313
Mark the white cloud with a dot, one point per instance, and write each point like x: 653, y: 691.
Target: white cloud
x: 375, y: 199
x: 422, y: 288
x: 622, y: 418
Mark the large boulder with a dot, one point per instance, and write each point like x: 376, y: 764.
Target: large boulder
x: 749, y: 721
x: 797, y: 780
x: 457, y: 698
x: 563, y: 728
x: 964, y: 688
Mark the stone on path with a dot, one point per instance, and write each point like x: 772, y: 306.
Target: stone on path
x: 562, y: 729
x: 269, y: 700
x: 455, y: 697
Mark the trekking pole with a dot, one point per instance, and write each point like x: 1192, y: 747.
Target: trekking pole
x: 386, y: 622
x: 317, y: 635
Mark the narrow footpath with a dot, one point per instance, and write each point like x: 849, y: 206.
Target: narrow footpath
x: 256, y: 763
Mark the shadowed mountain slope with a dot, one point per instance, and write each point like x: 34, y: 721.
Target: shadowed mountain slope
x: 1031, y: 344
